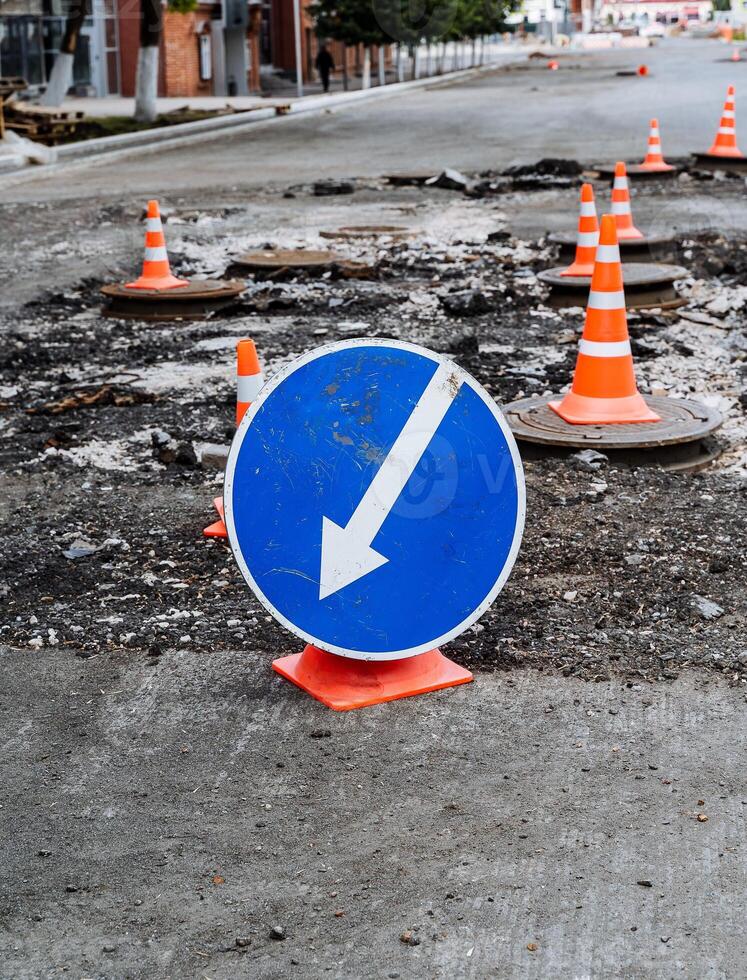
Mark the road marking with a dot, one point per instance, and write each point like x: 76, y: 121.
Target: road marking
x: 347, y: 554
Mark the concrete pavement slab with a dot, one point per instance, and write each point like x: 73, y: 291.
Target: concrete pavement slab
x: 160, y: 813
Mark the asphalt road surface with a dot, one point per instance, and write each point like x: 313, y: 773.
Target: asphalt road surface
x: 171, y: 808
x: 583, y: 111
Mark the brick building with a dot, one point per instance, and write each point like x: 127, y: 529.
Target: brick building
x: 223, y: 47
x: 215, y: 50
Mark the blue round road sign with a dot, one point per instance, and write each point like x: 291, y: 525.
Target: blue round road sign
x: 374, y: 499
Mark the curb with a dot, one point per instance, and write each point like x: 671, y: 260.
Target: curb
x: 125, y: 145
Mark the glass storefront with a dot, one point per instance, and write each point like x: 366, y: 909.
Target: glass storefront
x: 21, y: 48
x: 52, y: 30
x: 30, y: 35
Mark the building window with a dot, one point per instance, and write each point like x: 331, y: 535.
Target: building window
x: 21, y: 48
x: 206, y: 57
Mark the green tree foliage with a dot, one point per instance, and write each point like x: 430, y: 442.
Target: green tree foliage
x: 407, y: 21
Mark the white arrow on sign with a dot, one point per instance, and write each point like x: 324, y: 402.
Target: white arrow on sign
x: 347, y: 554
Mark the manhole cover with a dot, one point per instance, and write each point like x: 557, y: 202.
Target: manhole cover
x: 708, y: 161
x: 195, y: 301
x: 532, y: 420
x: 352, y: 232
x: 286, y: 258
x: 658, y: 247
x: 607, y: 171
x: 646, y: 286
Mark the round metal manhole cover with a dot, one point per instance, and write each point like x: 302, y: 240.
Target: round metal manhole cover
x: 568, y: 239
x: 532, y: 420
x: 607, y: 170
x: 646, y: 286
x: 635, y: 275
x: 195, y: 301
x: 195, y: 290
x: 708, y: 161
x: 286, y: 258
x: 396, y: 232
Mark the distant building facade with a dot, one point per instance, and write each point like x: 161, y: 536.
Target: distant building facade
x: 221, y: 48
x: 215, y: 50
x: 644, y: 12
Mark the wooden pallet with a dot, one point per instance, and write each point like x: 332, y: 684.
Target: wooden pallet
x: 10, y: 85
x: 41, y: 124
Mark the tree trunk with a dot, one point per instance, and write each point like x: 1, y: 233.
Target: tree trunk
x: 146, y: 81
x: 416, y: 61
x: 344, y: 67
x: 400, y: 62
x: 366, y: 77
x: 61, y: 77
x: 474, y: 52
x: 381, y: 55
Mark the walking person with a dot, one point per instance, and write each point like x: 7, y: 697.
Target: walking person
x: 324, y: 65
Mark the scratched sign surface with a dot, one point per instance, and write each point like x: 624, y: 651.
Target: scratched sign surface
x: 374, y: 499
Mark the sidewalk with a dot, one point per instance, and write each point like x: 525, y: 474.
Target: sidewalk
x: 114, y: 105
x: 280, y: 89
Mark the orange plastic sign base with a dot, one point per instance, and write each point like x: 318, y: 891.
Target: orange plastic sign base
x: 343, y: 684
x: 217, y: 530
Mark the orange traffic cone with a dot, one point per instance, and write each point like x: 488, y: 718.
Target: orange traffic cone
x: 156, y: 272
x: 587, y: 238
x: 621, y: 205
x: 604, y: 389
x: 249, y: 380
x: 725, y: 144
x: 217, y: 530
x: 654, y: 159
x: 249, y: 377
x: 343, y: 684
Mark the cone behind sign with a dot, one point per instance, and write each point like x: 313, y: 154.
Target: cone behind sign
x: 217, y: 530
x: 156, y: 272
x: 249, y: 380
x: 249, y: 377
x: 604, y: 388
x: 343, y: 683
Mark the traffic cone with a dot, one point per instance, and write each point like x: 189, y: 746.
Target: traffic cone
x: 344, y: 684
x: 604, y: 389
x: 654, y: 160
x: 156, y: 272
x: 249, y: 377
x: 735, y: 55
x: 621, y: 205
x: 217, y: 530
x: 725, y: 144
x: 587, y: 238
x: 249, y: 380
